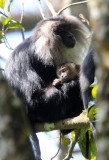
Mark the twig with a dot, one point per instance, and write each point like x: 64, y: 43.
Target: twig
x: 2, y: 58
x: 6, y: 43
x: 83, y: 19
x: 69, y: 155
x: 22, y: 32
x: 36, y: 145
x: 3, y: 14
x: 70, y: 5
x: 5, y: 40
x: 50, y: 6
x: 21, y: 18
x: 13, y: 20
x: 1, y: 69
x: 58, y: 148
x: 41, y: 10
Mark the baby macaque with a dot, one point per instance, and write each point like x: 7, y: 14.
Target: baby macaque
x: 65, y: 73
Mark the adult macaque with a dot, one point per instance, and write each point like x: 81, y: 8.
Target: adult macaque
x: 34, y: 62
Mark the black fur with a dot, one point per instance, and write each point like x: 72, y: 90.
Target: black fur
x: 87, y: 77
x: 34, y: 63
x: 26, y: 71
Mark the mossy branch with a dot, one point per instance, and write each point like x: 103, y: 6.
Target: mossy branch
x: 76, y: 123
x: 71, y: 123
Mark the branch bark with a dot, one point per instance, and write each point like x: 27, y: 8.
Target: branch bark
x: 72, y: 123
x: 69, y: 155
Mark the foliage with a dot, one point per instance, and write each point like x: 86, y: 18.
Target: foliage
x: 65, y: 141
x: 13, y: 25
x: 92, y: 146
x: 5, y: 21
x: 8, y: 22
x: 91, y: 113
x: 2, y: 3
x: 94, y: 90
x: 9, y: 5
x: 92, y: 109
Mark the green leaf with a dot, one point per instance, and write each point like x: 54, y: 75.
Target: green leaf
x: 5, y: 20
x: 94, y: 91
x: 9, y: 5
x: 82, y: 144
x: 2, y: 3
x: 13, y: 25
x: 94, y: 83
x: 92, y: 112
x: 94, y: 158
x: 1, y: 35
x: 92, y: 146
x: 91, y: 103
x: 66, y: 141
x: 73, y: 135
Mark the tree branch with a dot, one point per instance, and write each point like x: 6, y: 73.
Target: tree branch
x: 21, y: 19
x: 22, y: 14
x: 70, y: 5
x: 41, y: 10
x: 13, y: 20
x: 71, y: 123
x: 1, y: 69
x: 76, y: 123
x: 1, y: 57
x: 70, y: 151
x: 50, y: 6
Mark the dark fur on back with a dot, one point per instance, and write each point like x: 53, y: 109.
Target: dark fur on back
x: 87, y: 75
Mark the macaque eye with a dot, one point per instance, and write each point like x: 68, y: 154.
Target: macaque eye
x: 64, y: 70
x: 61, y: 71
x: 59, y: 31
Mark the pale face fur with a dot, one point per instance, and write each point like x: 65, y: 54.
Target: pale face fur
x: 50, y: 48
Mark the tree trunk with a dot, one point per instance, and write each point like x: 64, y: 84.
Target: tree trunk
x: 14, y: 127
x: 100, y: 24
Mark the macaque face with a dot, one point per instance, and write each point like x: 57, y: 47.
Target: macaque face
x: 67, y: 37
x: 68, y: 72
x: 63, y: 74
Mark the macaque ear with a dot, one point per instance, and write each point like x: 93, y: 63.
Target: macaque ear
x: 78, y: 67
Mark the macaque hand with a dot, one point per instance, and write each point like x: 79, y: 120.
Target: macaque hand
x: 56, y: 82
x: 37, y: 92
